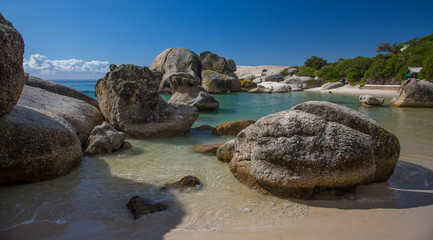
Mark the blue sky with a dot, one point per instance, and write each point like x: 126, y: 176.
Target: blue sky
x: 63, y: 37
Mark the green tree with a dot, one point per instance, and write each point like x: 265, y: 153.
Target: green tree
x: 388, y: 47
x: 315, y: 62
x: 306, y: 71
x: 427, y: 68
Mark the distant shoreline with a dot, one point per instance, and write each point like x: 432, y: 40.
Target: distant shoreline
x: 356, y: 91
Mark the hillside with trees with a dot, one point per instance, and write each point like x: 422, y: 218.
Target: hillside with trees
x: 389, y: 67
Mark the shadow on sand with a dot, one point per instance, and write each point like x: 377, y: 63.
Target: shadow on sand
x: 88, y: 203
x: 410, y: 186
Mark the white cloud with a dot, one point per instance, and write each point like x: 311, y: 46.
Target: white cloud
x: 40, y: 65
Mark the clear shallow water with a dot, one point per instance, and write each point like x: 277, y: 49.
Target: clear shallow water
x: 91, y: 201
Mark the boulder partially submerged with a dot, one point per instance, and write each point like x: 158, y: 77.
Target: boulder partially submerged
x: 232, y: 127
x: 218, y: 73
x: 104, y: 139
x: 188, y: 93
x: 129, y: 100
x: 315, y: 145
x: 415, y: 93
x: 11, y: 65
x: 368, y: 100
x: 139, y: 206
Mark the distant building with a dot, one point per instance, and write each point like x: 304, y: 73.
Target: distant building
x: 413, y: 72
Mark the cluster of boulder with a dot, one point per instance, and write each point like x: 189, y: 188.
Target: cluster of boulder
x: 415, y: 93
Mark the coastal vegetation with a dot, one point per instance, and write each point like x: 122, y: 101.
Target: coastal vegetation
x: 383, y: 68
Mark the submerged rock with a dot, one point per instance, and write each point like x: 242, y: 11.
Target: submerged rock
x: 104, y: 139
x: 11, y: 65
x: 232, y: 127
x: 36, y: 145
x: 313, y: 145
x: 139, y: 206
x: 82, y: 116
x: 176, y: 61
x: 207, y: 149
x: 415, y: 93
x: 130, y: 102
x: 187, y: 93
x: 60, y: 89
x: 185, y: 182
x: 370, y: 100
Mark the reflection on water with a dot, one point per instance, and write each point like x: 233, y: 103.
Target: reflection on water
x: 91, y: 201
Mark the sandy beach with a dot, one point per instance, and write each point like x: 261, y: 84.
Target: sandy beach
x: 357, y: 91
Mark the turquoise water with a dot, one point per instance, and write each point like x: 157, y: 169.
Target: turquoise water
x: 90, y: 202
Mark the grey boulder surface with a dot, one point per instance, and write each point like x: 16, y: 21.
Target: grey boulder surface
x: 331, y: 85
x: 12, y: 77
x: 315, y: 145
x: 35, y: 146
x: 129, y: 100
x: 218, y: 73
x: 82, y: 116
x: 370, y: 100
x: 415, y: 93
x: 60, y: 89
x: 301, y: 82
x: 104, y: 139
x: 175, y: 61
x: 188, y: 93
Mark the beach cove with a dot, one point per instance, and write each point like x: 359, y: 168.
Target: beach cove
x: 90, y: 202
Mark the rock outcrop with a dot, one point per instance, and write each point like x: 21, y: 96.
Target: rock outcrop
x: 275, y: 87
x: 313, y: 146
x: 60, y: 89
x: 277, y: 77
x: 175, y: 61
x: 35, y: 146
x: 332, y: 85
x: 302, y: 82
x: 82, y: 116
x: 104, y: 139
x: 368, y: 100
x: 186, y: 182
x: 129, y: 100
x: 139, y: 206
x: 12, y: 77
x: 188, y: 93
x: 415, y: 93
x: 231, y: 127
x: 225, y: 152
x: 218, y: 74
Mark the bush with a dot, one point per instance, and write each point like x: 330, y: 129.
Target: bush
x: 315, y: 62
x: 427, y: 68
x: 306, y: 71
x: 353, y: 77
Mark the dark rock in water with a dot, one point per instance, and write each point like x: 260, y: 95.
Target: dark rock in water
x: 215, y: 82
x: 176, y: 61
x: 207, y: 149
x: 185, y: 182
x: 225, y: 152
x: 130, y: 102
x: 313, y: 145
x: 36, y: 145
x: 11, y: 65
x: 204, y: 128
x: 232, y: 127
x: 141, y: 206
x: 104, y: 139
x: 60, y: 89
x: 188, y: 93
x: 82, y: 116
x: 415, y: 93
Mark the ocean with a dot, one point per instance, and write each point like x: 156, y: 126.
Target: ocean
x: 90, y: 202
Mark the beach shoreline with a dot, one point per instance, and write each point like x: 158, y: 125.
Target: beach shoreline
x: 357, y: 91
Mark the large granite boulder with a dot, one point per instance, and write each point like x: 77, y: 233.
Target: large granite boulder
x: 174, y: 61
x: 215, y: 82
x: 225, y: 152
x: 35, y: 146
x: 82, y: 116
x: 302, y: 82
x: 60, y: 89
x: 186, y: 92
x: 277, y: 77
x: 276, y: 87
x: 104, y: 139
x: 218, y: 73
x: 368, y: 100
x: 11, y: 65
x: 129, y: 100
x: 331, y: 85
x: 415, y: 93
x: 232, y: 127
x: 313, y: 146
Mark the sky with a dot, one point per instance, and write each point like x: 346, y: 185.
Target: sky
x: 79, y: 39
